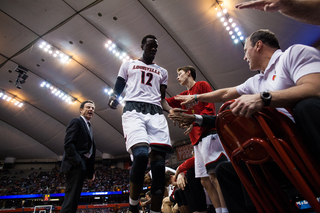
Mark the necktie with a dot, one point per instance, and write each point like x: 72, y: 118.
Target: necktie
x: 91, y: 135
x: 90, y: 130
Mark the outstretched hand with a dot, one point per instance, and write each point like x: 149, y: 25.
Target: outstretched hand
x: 113, y: 102
x: 183, y: 120
x: 187, y: 100
x: 262, y: 5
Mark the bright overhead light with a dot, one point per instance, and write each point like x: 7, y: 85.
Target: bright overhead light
x: 52, y: 51
x: 10, y: 98
x: 219, y: 14
x: 57, y: 92
x: 112, y: 47
x: 224, y: 11
x: 222, y: 19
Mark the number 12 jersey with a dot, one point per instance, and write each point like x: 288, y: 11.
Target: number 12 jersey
x: 143, y: 81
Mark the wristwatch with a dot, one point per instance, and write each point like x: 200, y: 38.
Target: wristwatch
x: 266, y: 97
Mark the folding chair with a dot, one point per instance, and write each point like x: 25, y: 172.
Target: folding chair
x: 268, y: 137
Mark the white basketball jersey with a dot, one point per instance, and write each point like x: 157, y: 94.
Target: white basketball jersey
x: 143, y: 81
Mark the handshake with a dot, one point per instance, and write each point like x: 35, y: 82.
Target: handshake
x: 113, y: 101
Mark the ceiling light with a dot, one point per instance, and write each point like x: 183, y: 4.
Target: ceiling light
x: 52, y: 51
x: 230, y: 20
x: 10, y: 98
x: 224, y: 11
x: 222, y: 19
x: 57, y: 92
x: 219, y: 14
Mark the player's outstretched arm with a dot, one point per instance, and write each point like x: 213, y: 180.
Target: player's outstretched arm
x: 300, y: 10
x: 118, y: 88
x: 220, y: 95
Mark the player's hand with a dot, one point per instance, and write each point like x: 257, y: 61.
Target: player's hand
x: 188, y: 130
x: 175, y: 113
x: 91, y: 180
x: 113, y: 102
x: 181, y: 181
x: 187, y: 100
x: 262, y: 5
x: 184, y: 120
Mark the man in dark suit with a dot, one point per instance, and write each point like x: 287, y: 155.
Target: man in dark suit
x: 79, y: 155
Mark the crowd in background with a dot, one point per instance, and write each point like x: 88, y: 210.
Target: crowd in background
x: 13, y: 182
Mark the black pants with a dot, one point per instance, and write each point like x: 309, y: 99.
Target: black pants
x: 74, y: 183
x: 307, y: 117
x: 235, y: 195
x: 194, y: 192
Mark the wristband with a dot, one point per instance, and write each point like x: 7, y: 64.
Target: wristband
x: 196, y: 99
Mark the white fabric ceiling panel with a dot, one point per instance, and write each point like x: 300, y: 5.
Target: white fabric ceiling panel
x: 40, y: 16
x: 79, y: 5
x: 2, y: 59
x: 96, y: 58
x: 17, y: 144
x: 14, y: 36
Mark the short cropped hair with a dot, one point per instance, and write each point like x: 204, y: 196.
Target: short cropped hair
x: 84, y: 102
x: 144, y: 40
x: 186, y: 69
x: 168, y: 175
x: 266, y: 36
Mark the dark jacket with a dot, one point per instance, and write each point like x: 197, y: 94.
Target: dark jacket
x: 77, y: 142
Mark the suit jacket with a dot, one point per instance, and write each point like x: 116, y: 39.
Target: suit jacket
x: 209, y: 120
x: 77, y: 142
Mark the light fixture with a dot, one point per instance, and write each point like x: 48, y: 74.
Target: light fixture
x: 22, y: 76
x: 112, y: 47
x: 64, y: 58
x: 58, y: 93
x: 5, y: 96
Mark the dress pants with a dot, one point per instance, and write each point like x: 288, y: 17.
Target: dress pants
x: 235, y: 195
x: 194, y: 193
x: 74, y: 183
x: 307, y: 116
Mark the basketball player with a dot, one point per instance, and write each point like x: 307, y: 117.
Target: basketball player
x: 145, y: 127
